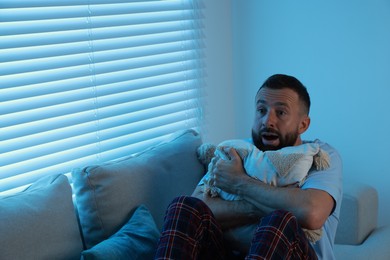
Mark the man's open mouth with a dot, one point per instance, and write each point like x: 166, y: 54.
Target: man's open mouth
x: 269, y: 136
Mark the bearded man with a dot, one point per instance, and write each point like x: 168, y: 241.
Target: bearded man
x: 194, y: 225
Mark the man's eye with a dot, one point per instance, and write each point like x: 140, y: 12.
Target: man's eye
x: 282, y: 112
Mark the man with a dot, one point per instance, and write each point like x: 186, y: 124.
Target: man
x: 194, y: 225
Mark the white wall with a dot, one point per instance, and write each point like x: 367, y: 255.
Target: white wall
x: 219, y: 102
x: 341, y: 51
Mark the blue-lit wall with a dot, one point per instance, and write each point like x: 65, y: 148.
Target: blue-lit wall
x: 341, y: 51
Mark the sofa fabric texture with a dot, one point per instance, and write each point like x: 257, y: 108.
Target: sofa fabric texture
x: 107, y: 194
x: 40, y: 222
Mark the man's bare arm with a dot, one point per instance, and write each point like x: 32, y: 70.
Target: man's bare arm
x: 228, y: 213
x: 311, y: 207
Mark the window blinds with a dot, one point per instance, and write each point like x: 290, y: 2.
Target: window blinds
x: 83, y: 82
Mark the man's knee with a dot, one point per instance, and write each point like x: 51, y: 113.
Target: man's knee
x: 280, y: 215
x: 189, y: 202
x: 279, y: 218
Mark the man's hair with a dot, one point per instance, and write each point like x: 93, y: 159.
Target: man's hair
x: 280, y: 81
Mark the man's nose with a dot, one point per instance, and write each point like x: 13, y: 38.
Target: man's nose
x: 269, y: 120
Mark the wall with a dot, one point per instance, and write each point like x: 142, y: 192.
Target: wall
x: 341, y: 51
x: 219, y: 102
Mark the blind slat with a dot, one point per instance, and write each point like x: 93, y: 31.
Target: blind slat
x: 58, y: 87
x: 115, y: 6
x: 125, y: 58
x: 134, y: 100
x: 187, y: 39
x: 87, y: 34
x: 85, y: 21
x: 61, y: 128
x: 111, y: 72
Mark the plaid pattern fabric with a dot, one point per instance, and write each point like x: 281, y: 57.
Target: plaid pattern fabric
x: 278, y: 236
x: 191, y: 231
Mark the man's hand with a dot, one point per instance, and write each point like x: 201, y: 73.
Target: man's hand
x: 227, y: 173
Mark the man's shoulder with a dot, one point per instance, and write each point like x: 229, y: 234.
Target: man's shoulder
x: 323, y: 145
x: 331, y: 150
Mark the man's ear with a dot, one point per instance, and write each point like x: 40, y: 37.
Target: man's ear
x: 304, y: 124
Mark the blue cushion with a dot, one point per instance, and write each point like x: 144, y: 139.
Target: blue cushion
x: 137, y: 239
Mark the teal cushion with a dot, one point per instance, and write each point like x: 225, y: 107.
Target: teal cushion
x: 137, y: 239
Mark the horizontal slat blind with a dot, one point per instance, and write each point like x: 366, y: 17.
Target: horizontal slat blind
x: 83, y: 82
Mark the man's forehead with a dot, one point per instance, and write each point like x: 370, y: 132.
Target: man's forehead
x: 276, y: 103
x: 276, y: 97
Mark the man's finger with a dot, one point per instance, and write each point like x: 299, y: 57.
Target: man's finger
x: 232, y: 153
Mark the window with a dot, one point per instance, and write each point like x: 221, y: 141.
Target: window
x: 83, y: 82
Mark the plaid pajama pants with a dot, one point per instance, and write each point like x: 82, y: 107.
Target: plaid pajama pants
x: 190, y: 231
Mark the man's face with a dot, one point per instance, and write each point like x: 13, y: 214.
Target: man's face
x: 279, y: 119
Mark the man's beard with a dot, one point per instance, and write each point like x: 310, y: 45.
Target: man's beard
x: 284, y: 141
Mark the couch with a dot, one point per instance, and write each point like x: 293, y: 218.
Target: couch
x: 105, y: 208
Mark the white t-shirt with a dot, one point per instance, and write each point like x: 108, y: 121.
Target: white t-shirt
x: 330, y: 181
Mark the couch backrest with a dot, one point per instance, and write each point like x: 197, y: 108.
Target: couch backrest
x: 107, y: 194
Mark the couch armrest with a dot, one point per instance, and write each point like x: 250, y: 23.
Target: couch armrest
x: 359, y: 214
x: 376, y: 246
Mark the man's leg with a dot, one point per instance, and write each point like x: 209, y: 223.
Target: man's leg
x: 279, y: 236
x: 190, y: 231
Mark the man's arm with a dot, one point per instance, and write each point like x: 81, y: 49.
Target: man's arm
x: 311, y: 207
x: 228, y: 213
